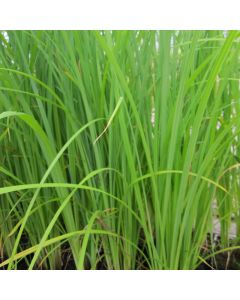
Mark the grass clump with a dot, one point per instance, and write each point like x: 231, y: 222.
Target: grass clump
x: 119, y: 148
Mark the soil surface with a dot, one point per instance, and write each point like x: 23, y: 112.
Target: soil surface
x: 224, y: 261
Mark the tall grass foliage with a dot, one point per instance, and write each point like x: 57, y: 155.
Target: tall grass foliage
x: 119, y: 149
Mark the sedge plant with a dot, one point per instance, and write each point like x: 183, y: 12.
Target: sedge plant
x: 116, y: 146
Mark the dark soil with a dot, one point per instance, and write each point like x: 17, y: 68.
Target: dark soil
x: 229, y: 260
x: 222, y: 261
